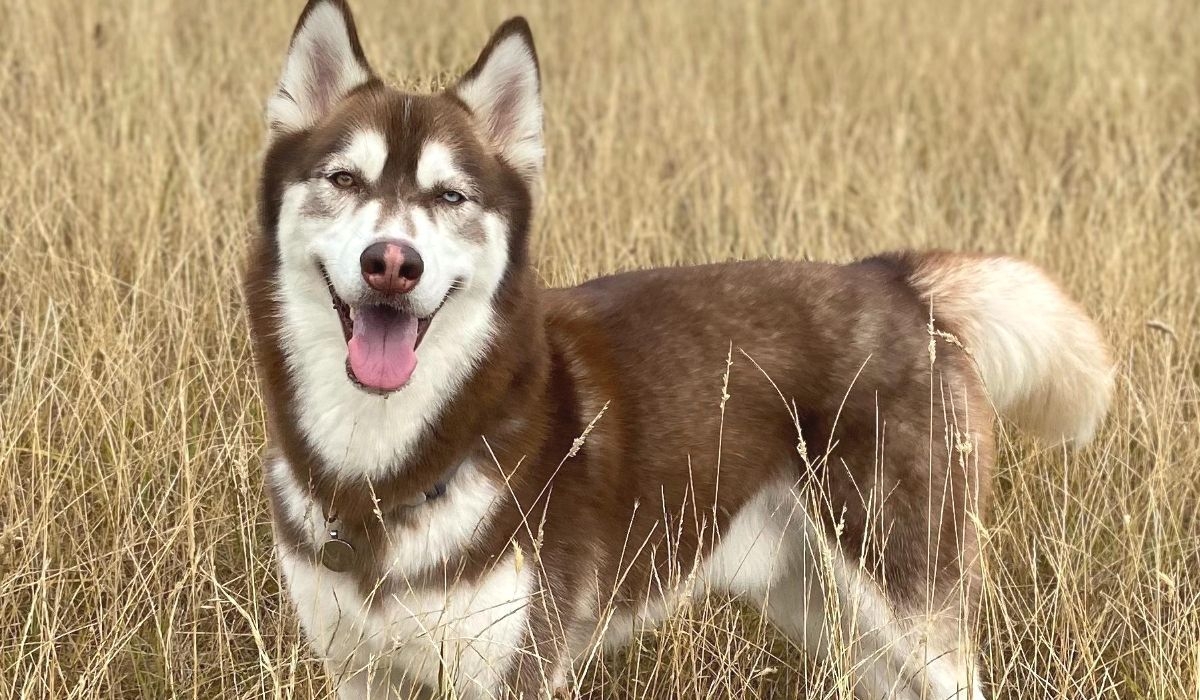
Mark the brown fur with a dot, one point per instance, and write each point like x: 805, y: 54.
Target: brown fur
x: 840, y: 342
x: 845, y: 347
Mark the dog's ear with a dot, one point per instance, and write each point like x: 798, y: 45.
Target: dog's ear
x: 324, y: 63
x: 503, y: 92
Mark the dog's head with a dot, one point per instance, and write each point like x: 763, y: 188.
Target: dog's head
x: 387, y: 208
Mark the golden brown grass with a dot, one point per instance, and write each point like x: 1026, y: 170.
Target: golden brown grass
x: 134, y: 544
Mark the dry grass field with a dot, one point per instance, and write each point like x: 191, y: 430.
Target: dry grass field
x: 135, y: 557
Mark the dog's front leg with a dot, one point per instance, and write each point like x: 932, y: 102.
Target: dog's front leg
x: 540, y: 668
x: 381, y: 684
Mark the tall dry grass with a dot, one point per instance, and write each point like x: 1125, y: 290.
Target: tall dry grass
x: 135, y: 555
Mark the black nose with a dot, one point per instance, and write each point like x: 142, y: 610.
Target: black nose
x: 391, y: 267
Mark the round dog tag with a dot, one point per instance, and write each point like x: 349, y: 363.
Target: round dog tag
x: 337, y: 555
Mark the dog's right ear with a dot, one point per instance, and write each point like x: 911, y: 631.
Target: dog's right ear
x: 504, y: 94
x: 324, y: 63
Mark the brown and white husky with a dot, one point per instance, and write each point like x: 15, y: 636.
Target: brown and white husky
x: 477, y: 482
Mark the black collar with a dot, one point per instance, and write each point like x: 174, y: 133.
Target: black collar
x: 337, y: 554
x: 438, y: 490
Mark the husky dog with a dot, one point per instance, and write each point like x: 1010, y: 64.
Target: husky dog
x: 476, y: 481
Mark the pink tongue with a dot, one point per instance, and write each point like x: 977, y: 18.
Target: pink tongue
x: 383, y: 351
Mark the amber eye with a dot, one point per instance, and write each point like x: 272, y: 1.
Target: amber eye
x: 452, y: 197
x: 342, y: 180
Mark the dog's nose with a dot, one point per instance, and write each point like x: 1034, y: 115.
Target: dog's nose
x: 391, y: 267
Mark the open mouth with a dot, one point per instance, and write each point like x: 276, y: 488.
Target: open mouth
x: 381, y: 342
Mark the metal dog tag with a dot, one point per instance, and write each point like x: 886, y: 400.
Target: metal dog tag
x: 337, y: 555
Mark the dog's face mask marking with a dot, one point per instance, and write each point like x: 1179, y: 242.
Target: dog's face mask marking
x: 393, y: 207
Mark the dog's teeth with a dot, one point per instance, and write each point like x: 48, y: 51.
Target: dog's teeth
x: 353, y: 313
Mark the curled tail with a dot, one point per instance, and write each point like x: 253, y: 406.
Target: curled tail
x: 1040, y: 356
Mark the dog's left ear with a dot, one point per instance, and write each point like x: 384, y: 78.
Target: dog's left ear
x: 325, y: 63
x: 503, y: 92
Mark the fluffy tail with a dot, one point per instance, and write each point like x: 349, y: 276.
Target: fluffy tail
x: 1042, y: 359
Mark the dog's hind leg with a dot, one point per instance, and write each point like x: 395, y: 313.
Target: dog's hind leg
x: 873, y: 650
x: 925, y: 655
x: 877, y: 649
x: 795, y: 604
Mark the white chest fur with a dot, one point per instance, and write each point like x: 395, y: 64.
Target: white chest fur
x: 461, y: 634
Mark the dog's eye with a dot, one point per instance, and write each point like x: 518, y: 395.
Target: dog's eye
x: 342, y: 180
x: 452, y: 197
